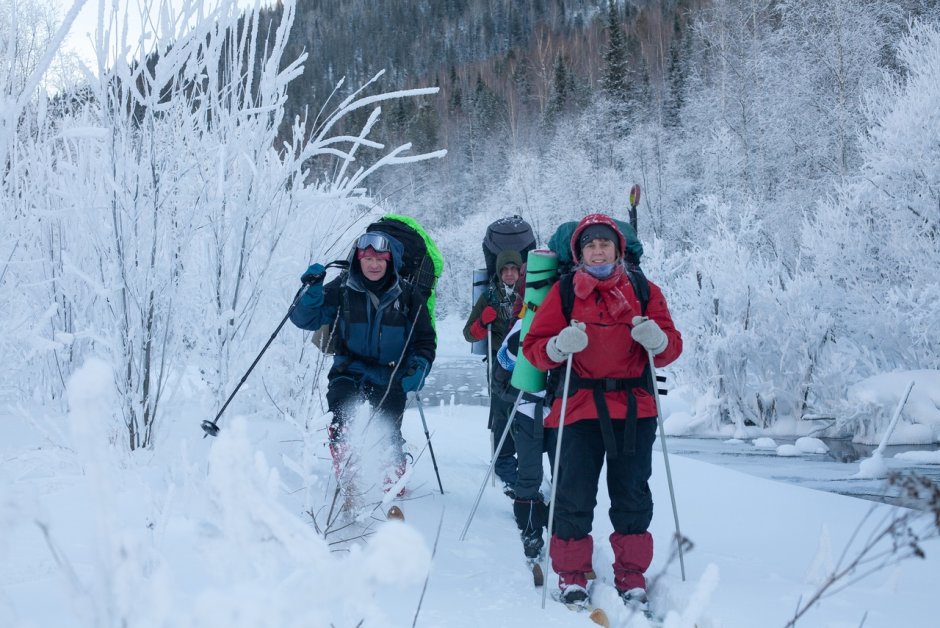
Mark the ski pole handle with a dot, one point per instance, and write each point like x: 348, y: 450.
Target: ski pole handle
x: 635, y: 195
x: 310, y: 279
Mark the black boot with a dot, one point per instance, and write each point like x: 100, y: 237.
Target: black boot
x: 532, y: 543
x: 531, y: 516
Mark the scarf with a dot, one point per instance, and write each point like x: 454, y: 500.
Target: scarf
x: 609, y: 290
x: 601, y: 271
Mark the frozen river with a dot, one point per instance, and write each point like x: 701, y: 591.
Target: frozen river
x: 461, y: 380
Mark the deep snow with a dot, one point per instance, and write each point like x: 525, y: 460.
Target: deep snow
x: 214, y: 532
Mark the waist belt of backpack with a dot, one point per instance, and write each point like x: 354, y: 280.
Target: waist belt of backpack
x: 613, y: 384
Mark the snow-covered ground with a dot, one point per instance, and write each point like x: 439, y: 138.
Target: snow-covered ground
x: 215, y: 532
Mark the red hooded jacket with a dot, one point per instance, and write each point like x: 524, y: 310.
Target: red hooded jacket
x: 607, y: 308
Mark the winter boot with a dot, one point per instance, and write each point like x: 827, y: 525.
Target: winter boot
x: 531, y: 517
x: 532, y: 543
x: 575, y: 595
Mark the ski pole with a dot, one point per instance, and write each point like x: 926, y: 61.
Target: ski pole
x: 489, y: 391
x: 427, y: 435
x: 512, y: 415
x: 556, y: 473
x: 662, y: 438
x: 211, y: 428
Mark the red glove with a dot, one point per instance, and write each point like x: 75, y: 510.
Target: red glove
x: 487, y: 316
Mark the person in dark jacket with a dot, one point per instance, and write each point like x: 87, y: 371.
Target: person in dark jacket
x: 492, y: 314
x: 531, y: 440
x: 611, y: 411
x: 384, y: 342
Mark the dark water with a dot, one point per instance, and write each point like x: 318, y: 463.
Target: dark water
x: 462, y: 381
x: 457, y: 382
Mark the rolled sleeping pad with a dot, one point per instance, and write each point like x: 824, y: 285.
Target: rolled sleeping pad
x: 541, y: 272
x: 480, y: 281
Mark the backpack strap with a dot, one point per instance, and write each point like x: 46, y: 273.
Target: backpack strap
x: 409, y: 298
x: 424, y: 278
x: 566, y: 292
x: 641, y: 286
x: 339, y: 330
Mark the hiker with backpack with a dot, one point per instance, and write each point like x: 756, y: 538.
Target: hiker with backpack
x: 606, y: 316
x: 491, y: 318
x: 383, y: 339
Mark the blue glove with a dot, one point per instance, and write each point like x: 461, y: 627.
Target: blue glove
x: 314, y: 274
x: 413, y: 380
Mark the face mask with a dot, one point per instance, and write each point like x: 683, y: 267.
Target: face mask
x: 601, y: 271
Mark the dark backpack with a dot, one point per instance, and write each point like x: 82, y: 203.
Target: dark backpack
x: 507, y: 234
x: 416, y: 265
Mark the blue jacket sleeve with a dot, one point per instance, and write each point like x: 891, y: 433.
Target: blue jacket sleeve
x: 317, y: 306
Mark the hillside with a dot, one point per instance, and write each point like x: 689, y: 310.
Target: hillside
x: 507, y: 70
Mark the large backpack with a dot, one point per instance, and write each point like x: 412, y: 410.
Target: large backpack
x: 507, y: 234
x: 422, y: 262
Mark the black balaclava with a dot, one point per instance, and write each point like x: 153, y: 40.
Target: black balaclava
x: 379, y: 285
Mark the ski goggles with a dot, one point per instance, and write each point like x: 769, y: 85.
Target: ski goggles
x: 376, y: 241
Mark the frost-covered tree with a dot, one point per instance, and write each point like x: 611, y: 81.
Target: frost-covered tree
x: 161, y: 205
x: 822, y: 69
x: 875, y: 243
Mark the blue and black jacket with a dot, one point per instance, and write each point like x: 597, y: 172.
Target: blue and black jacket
x: 370, y: 330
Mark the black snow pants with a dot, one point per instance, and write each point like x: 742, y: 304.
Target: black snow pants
x: 578, y: 473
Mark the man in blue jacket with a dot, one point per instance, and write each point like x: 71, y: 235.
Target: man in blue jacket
x: 383, y: 338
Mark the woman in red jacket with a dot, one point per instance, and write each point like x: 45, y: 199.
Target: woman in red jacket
x: 610, y: 411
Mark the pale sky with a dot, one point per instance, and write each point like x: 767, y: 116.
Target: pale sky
x: 81, y: 35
